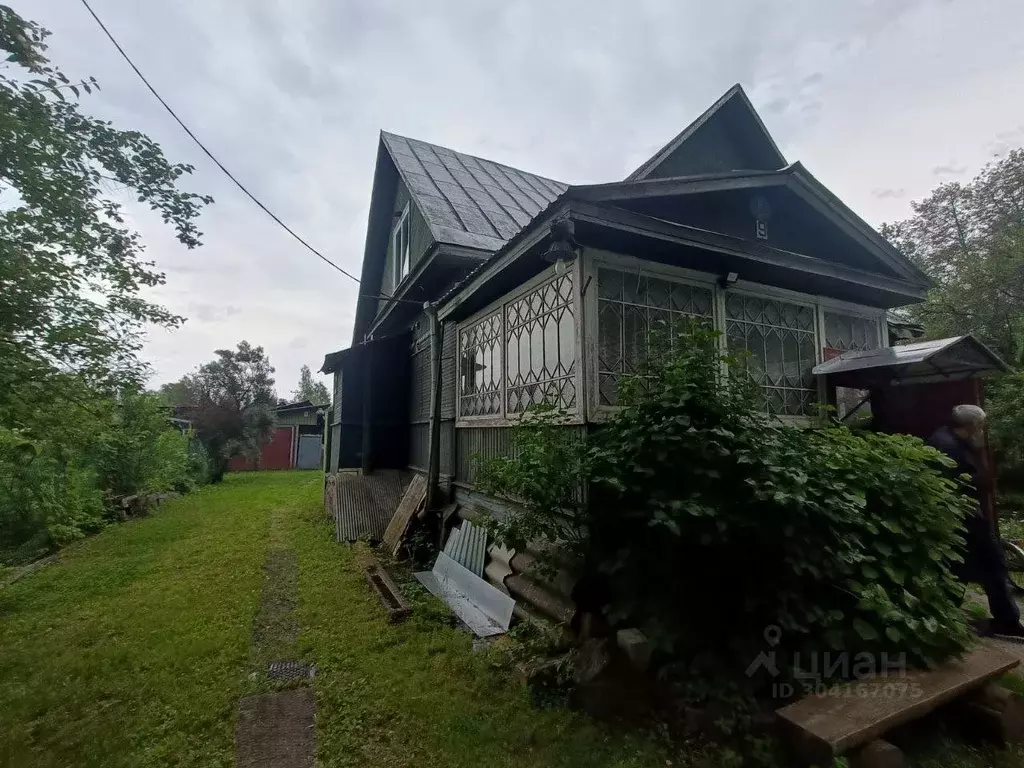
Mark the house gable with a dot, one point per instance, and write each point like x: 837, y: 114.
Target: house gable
x: 729, y: 136
x: 454, y: 200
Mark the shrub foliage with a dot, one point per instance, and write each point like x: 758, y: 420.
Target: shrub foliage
x: 705, y: 522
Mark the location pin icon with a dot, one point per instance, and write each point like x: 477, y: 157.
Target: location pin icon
x: 772, y: 635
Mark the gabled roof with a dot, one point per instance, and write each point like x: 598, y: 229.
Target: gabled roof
x: 734, y: 115
x: 467, y: 200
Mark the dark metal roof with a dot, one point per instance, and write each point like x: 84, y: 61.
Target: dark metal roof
x: 956, y: 357
x: 297, y: 406
x: 466, y: 200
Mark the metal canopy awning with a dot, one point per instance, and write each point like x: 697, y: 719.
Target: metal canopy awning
x: 960, y: 357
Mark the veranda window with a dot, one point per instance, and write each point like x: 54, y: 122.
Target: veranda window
x: 780, y: 339
x: 541, y: 344
x: 480, y: 375
x: 522, y: 354
x: 847, y: 332
x: 630, y: 307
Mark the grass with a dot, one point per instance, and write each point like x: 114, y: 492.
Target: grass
x: 134, y: 649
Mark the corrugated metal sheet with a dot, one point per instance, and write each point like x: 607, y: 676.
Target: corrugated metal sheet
x: 960, y: 355
x: 467, y: 200
x: 467, y: 545
x: 364, y: 504
x: 541, y: 597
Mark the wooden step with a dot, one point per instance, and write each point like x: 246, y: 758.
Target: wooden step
x: 847, y: 716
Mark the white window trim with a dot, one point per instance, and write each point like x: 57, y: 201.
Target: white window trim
x: 396, y: 267
x: 505, y: 419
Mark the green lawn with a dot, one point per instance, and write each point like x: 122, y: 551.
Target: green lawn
x: 134, y: 649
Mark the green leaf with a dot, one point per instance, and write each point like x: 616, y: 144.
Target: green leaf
x: 865, y: 630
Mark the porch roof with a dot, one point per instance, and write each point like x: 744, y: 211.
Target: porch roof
x: 959, y: 357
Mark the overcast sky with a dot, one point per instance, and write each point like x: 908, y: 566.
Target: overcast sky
x: 880, y: 100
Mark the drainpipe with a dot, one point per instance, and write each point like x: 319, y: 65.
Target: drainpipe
x: 434, y: 455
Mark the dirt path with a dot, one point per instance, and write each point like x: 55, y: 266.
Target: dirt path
x: 277, y: 729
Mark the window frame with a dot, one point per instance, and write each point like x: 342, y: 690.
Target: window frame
x: 577, y: 415
x: 401, y: 257
x: 596, y: 258
x: 758, y: 291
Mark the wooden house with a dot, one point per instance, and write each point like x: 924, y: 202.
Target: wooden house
x: 486, y: 289
x: 459, y: 287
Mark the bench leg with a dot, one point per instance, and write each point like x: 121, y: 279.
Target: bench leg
x: 994, y: 714
x: 877, y: 754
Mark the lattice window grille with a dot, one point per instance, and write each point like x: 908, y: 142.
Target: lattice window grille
x: 850, y: 332
x: 540, y: 360
x: 630, y: 307
x: 780, y: 339
x: 480, y: 374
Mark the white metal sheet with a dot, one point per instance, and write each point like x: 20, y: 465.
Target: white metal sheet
x: 485, y: 609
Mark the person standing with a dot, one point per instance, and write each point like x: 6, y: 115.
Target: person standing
x: 962, y: 440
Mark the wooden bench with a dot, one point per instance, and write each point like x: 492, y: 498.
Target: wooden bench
x: 851, y: 716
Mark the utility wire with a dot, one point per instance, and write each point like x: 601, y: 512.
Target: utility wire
x: 209, y: 154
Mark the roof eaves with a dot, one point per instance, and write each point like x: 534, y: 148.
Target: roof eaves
x: 506, y: 247
x: 901, y: 263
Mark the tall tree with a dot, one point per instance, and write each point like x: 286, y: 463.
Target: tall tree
x: 231, y: 401
x: 71, y: 272
x: 970, y: 239
x: 313, y: 391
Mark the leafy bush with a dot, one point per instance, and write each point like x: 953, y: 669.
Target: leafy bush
x: 707, y: 522
x: 1006, y: 420
x: 58, y: 480
x: 44, y: 502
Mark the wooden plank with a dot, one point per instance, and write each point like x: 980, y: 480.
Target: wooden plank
x: 853, y: 714
x: 413, y: 499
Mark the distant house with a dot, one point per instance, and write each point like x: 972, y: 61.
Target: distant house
x: 542, y: 292
x: 296, y: 442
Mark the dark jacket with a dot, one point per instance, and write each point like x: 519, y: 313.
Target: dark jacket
x: 959, y: 450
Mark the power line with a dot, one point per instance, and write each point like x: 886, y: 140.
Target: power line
x: 209, y: 154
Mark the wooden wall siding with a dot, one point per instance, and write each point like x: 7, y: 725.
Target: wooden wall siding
x: 706, y: 151
x: 297, y: 418
x: 419, y: 446
x: 336, y: 411
x: 335, y: 449
x: 419, y: 385
x: 448, y: 372
x: 475, y: 443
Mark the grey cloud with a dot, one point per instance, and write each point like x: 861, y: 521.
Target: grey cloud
x: 949, y: 170
x: 211, y: 313
x: 886, y: 194
x: 291, y: 94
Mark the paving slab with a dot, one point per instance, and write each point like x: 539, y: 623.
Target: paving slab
x: 276, y: 730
